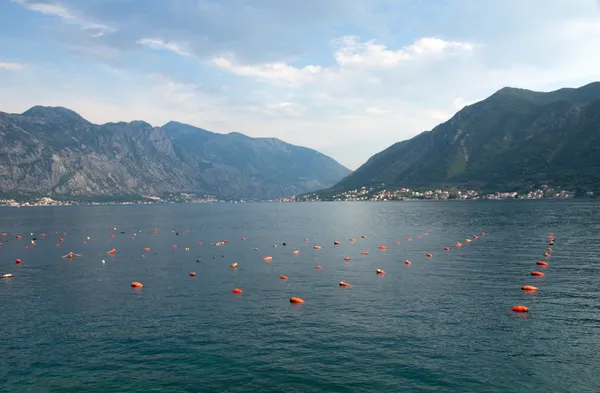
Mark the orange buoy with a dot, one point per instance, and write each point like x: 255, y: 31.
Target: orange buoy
x: 18, y: 237
x: 382, y: 247
x: 17, y: 261
x: 352, y: 239
x: 408, y: 239
x: 407, y: 262
x: 365, y: 253
x: 236, y: 290
x: 363, y: 237
x: 549, y: 249
x: 112, y: 251
x: 379, y: 271
x: 296, y: 252
x: 458, y: 245
x: 346, y: 259
x: 336, y: 243
x: 61, y: 239
x: 519, y: 309
x: 344, y: 284
x: 243, y: 238
x: 446, y: 249
x: 468, y: 240
x: 541, y: 263
x: 296, y: 300
x: 426, y: 233
x: 529, y: 288
x: 396, y: 242
x: 234, y: 265
x: 546, y: 255
x: 475, y: 237
x: 538, y: 274
x: 283, y: 277
x: 428, y: 255
x: 318, y: 267
x: 147, y: 249
x: 136, y: 284
x: 317, y: 247
x: 268, y: 258
x: 192, y: 274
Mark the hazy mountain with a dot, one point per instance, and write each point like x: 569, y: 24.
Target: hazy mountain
x: 54, y: 151
x: 515, y: 138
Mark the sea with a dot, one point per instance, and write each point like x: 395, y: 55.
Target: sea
x: 440, y: 324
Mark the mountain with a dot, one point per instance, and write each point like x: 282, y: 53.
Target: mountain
x: 514, y: 139
x: 54, y: 151
x: 238, y: 164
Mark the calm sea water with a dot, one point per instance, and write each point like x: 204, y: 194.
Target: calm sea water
x: 441, y: 324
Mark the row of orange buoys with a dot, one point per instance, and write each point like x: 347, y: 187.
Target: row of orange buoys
x: 234, y: 265
x: 531, y: 288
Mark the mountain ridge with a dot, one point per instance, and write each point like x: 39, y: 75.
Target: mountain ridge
x: 515, y: 138
x: 55, y: 151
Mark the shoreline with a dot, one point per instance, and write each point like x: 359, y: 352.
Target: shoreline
x: 18, y: 205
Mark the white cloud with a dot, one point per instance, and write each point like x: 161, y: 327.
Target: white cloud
x: 160, y: 44
x: 275, y: 72
x: 353, y: 53
x: 49, y: 9
x: 174, y: 91
x: 61, y: 11
x: 11, y: 66
x: 373, y: 110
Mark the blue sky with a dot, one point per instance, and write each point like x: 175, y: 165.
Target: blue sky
x: 346, y: 77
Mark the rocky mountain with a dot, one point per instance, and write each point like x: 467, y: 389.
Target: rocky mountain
x: 235, y: 163
x: 54, y: 151
x: 514, y: 139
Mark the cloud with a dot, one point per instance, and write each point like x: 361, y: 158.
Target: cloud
x: 373, y: 110
x: 11, y: 66
x: 160, y: 44
x: 353, y: 53
x: 63, y: 12
x: 275, y: 72
x: 173, y: 91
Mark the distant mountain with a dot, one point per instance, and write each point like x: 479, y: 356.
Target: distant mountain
x: 256, y: 167
x: 514, y: 139
x: 54, y: 151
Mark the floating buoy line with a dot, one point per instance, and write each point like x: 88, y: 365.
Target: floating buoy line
x: 113, y: 252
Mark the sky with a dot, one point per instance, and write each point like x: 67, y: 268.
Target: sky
x: 346, y: 77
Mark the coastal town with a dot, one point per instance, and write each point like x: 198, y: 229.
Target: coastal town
x: 359, y: 194
x: 406, y: 194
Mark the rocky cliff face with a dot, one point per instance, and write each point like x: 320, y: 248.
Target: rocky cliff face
x: 55, y: 151
x: 515, y: 138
